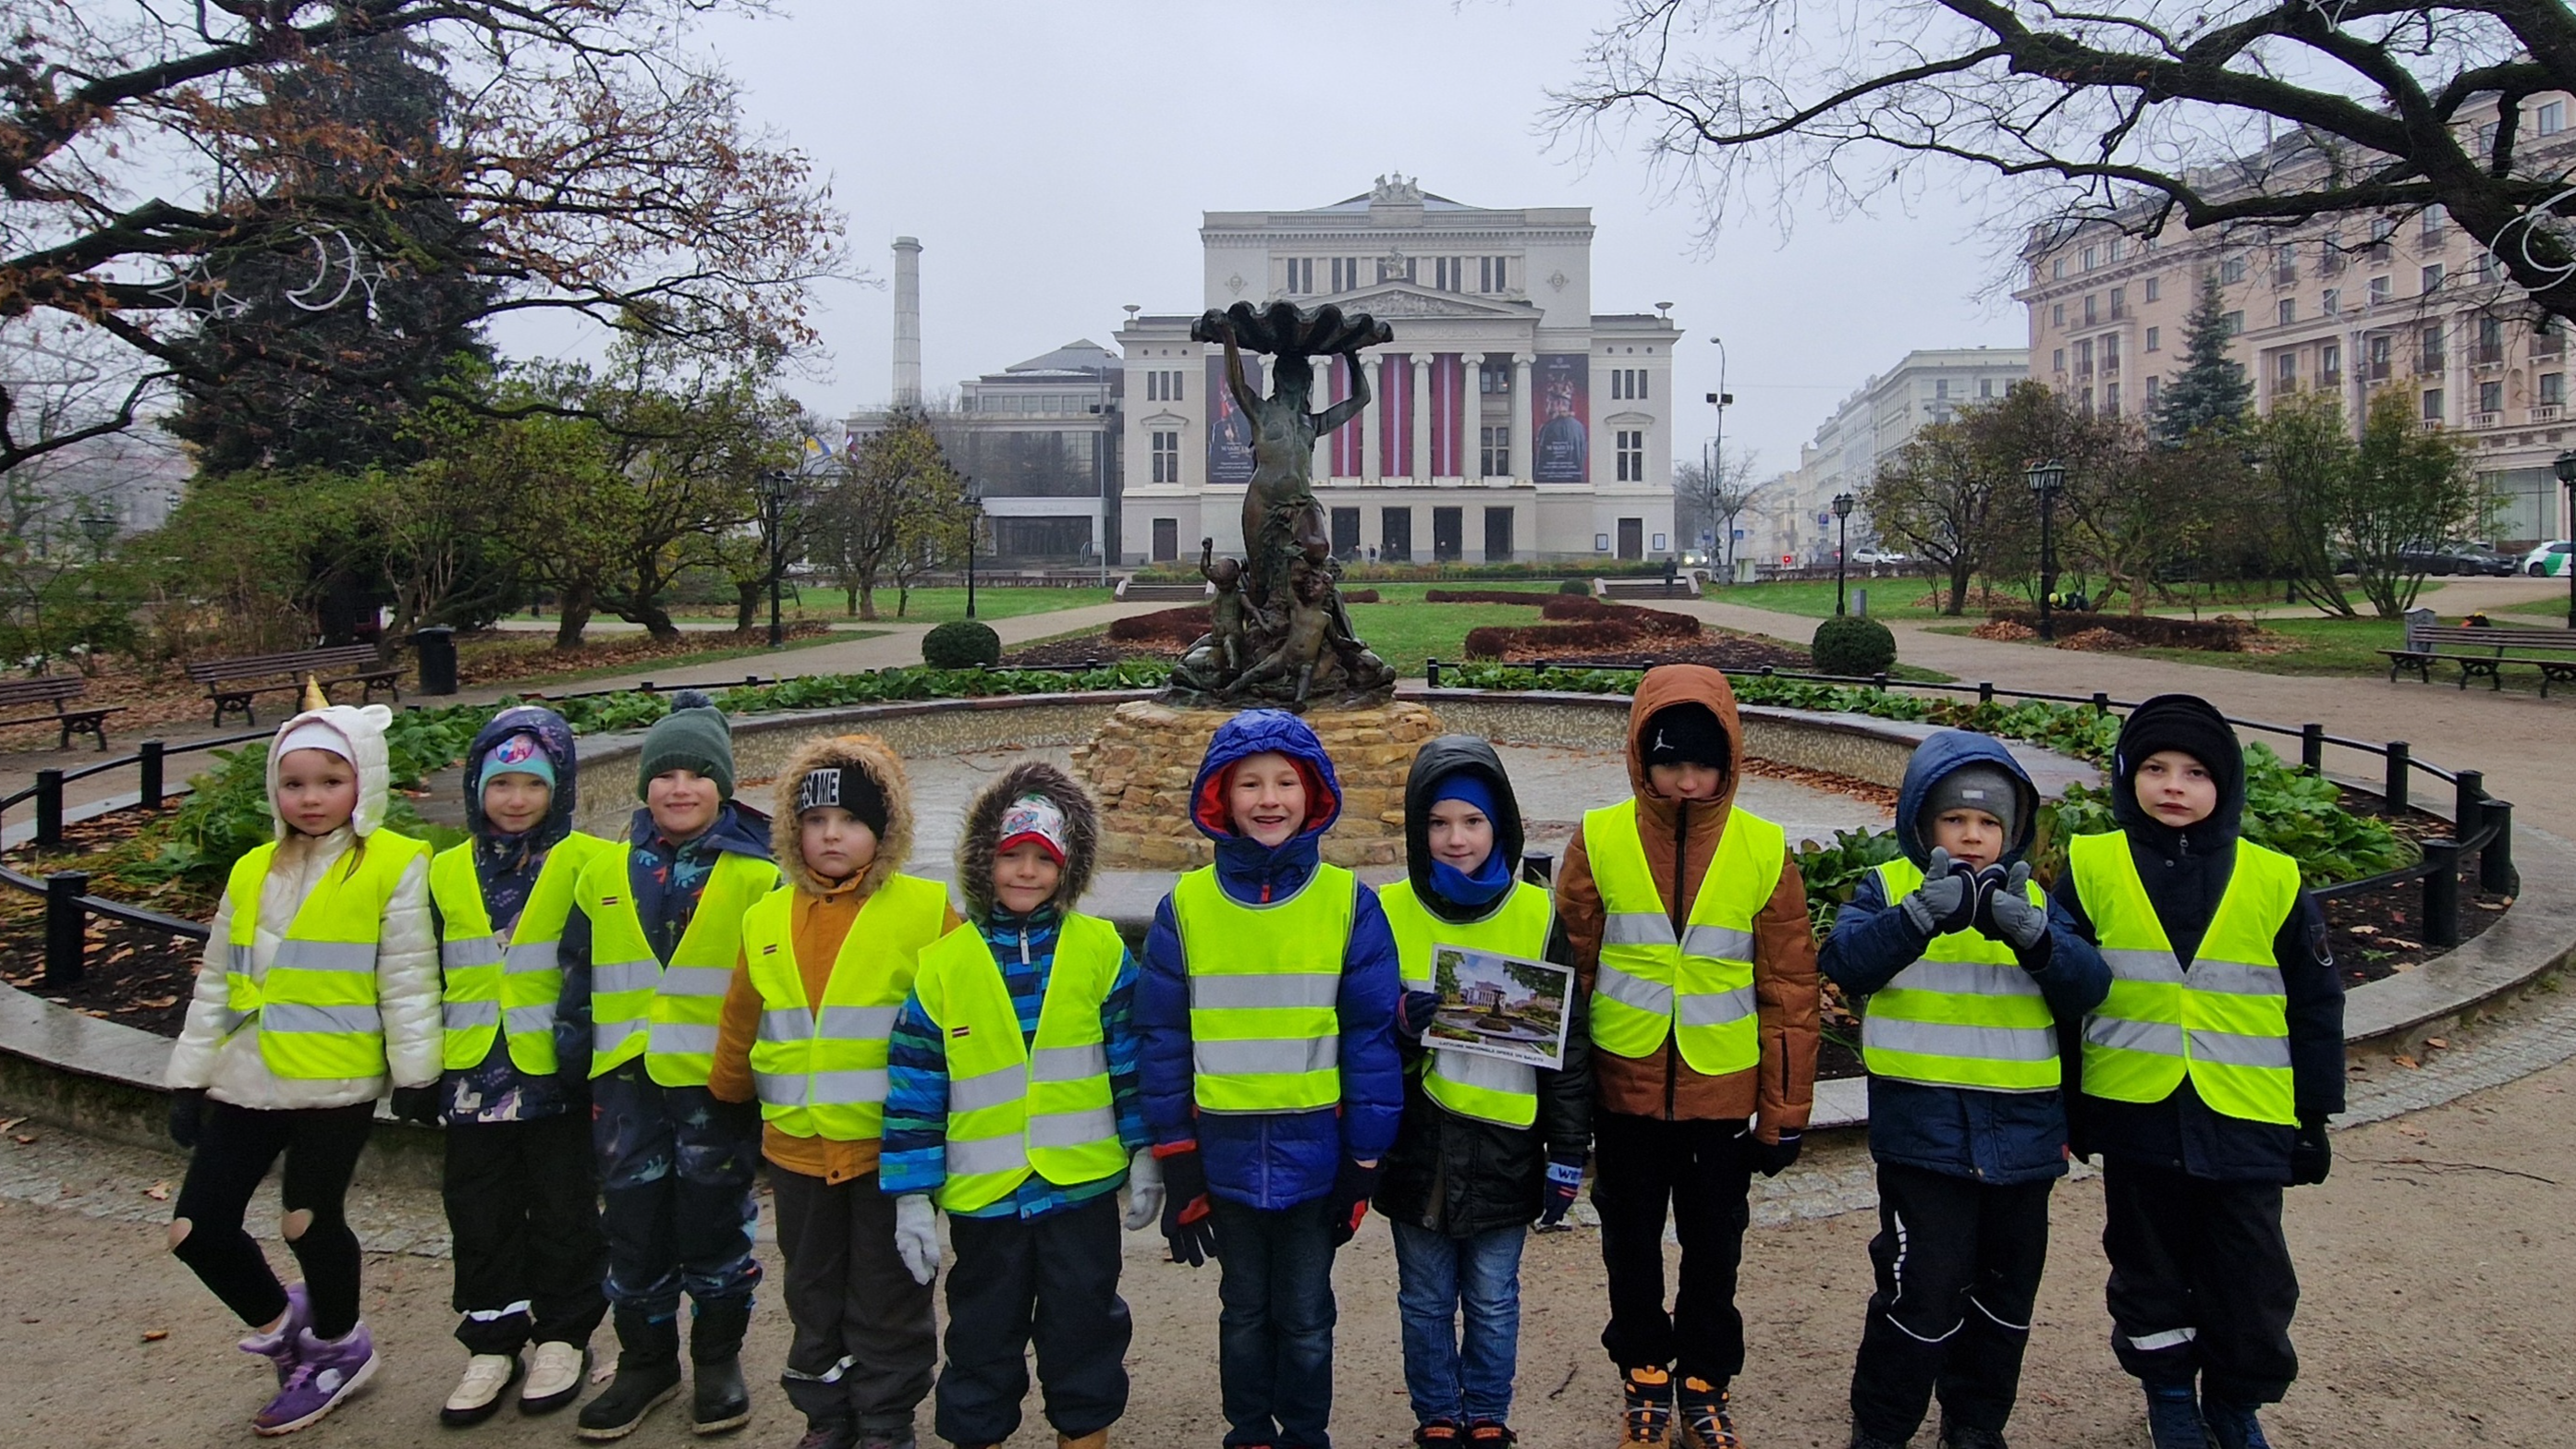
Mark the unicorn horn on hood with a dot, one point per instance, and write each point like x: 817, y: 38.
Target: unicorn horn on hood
x: 314, y: 695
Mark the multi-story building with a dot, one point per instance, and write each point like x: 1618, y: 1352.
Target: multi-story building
x: 2350, y: 304
x: 1926, y: 386
x: 1509, y: 421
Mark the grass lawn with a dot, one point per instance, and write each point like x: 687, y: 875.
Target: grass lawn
x: 1889, y: 597
x: 1404, y: 634
x: 927, y: 606
x: 2321, y: 646
x: 685, y: 661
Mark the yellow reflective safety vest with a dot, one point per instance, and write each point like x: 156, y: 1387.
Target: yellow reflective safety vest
x: 638, y: 1006
x: 1964, y: 1014
x: 1472, y: 1084
x: 495, y: 986
x: 2224, y: 1020
x: 820, y: 1067
x: 1265, y: 991
x: 316, y: 1008
x: 1697, y: 989
x: 1017, y: 1106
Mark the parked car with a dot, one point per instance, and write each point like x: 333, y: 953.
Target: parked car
x: 2551, y: 560
x: 1873, y: 557
x: 2480, y: 560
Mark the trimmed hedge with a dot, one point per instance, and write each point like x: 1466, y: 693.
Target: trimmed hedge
x: 962, y: 644
x: 1576, y: 586
x: 1850, y: 644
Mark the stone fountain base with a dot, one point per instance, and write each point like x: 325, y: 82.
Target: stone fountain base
x: 1142, y: 761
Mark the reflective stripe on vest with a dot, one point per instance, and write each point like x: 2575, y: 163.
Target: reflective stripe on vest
x: 1472, y: 1084
x: 2224, y: 1020
x: 1964, y: 1014
x: 638, y: 1006
x: 1018, y: 1106
x: 489, y: 983
x: 1696, y: 990
x: 316, y: 1004
x: 822, y: 1073
x: 1265, y: 992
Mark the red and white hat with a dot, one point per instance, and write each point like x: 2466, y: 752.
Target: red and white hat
x: 1034, y: 817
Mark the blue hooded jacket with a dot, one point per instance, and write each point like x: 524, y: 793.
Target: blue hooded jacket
x: 1992, y: 1137
x: 1274, y: 1159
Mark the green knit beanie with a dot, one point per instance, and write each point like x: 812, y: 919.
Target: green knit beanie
x: 693, y: 736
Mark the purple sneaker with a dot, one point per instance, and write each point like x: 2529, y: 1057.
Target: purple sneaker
x: 279, y: 1347
x: 327, y: 1370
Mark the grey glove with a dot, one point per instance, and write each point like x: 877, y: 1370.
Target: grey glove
x: 916, y: 1236
x: 1947, y: 899
x: 2008, y: 913
x: 1144, y: 1190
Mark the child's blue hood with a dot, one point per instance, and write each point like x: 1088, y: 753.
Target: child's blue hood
x: 1938, y: 756
x: 554, y: 736
x: 1254, y: 732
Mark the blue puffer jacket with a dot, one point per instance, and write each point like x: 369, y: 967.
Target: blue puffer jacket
x: 1993, y: 1137
x: 1274, y: 1159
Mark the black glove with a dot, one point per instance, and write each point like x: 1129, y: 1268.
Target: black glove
x: 1564, y: 1180
x: 1349, y: 1200
x: 2311, y: 1156
x: 1947, y: 899
x: 417, y: 1104
x: 187, y: 1114
x: 1771, y: 1158
x: 1415, y: 1011
x: 1186, y: 1223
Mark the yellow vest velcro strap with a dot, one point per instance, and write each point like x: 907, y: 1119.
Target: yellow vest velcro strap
x: 1964, y: 978
x: 1072, y: 1129
x: 987, y: 1089
x: 2133, y: 964
x: 282, y: 1018
x: 1219, y: 992
x: 823, y: 1089
x: 2235, y: 1049
x: 1952, y: 1039
x: 681, y: 1037
x: 462, y: 1015
x: 795, y: 1023
x: 610, y: 976
x: 696, y: 981
x: 1651, y: 997
x: 469, y: 951
x: 1718, y: 942
x: 974, y: 1156
x: 1717, y: 1008
x: 351, y: 956
x: 1278, y: 1056
x: 1648, y: 928
x: 1068, y: 1064
x: 1636, y: 928
x: 2163, y: 1038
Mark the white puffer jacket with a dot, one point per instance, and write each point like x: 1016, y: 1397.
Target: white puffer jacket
x: 229, y: 1066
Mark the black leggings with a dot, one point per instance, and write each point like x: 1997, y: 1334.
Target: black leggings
x: 235, y: 1147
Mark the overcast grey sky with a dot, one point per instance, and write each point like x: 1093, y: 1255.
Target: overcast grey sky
x: 1054, y: 160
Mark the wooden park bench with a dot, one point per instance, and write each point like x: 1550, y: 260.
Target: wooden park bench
x: 2482, y: 651
x: 55, y: 689
x: 228, y: 681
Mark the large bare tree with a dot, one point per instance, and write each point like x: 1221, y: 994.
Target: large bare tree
x: 2131, y: 112
x: 590, y: 161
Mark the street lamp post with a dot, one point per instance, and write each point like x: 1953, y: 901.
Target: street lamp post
x: 1720, y: 400
x: 2046, y: 480
x: 974, y: 518
x: 101, y: 529
x: 773, y: 507
x: 2566, y: 466
x: 1842, y: 544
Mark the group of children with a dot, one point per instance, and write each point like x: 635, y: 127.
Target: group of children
x: 717, y: 986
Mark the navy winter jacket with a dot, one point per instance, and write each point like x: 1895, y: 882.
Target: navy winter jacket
x: 1993, y: 1137
x: 1274, y: 1159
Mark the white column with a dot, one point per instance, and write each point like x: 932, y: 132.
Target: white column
x: 1421, y: 417
x: 1523, y: 465
x: 1471, y: 409
x: 1372, y: 467
x: 1319, y: 396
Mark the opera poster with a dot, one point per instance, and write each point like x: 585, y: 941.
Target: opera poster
x: 1561, y: 418
x: 1229, y: 446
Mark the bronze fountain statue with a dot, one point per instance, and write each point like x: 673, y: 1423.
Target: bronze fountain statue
x: 1280, y: 634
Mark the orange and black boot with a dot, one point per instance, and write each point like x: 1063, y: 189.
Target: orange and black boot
x: 1649, y: 1414
x: 1701, y: 1406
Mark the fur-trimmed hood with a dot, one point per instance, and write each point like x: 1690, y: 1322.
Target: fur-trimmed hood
x: 363, y: 727
x: 983, y: 831
x: 881, y: 764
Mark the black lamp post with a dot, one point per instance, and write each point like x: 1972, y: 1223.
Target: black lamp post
x: 1842, y: 544
x: 2566, y: 466
x: 974, y: 520
x: 101, y: 529
x: 773, y: 519
x: 2046, y: 480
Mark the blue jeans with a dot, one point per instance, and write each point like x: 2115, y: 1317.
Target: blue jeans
x: 1449, y: 1375
x: 1275, y: 1323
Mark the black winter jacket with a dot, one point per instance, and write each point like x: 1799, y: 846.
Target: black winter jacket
x: 1453, y: 1174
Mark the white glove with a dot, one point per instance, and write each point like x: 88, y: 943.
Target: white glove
x: 1144, y: 1191
x: 916, y: 1235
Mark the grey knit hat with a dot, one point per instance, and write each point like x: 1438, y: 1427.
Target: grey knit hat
x: 693, y: 736
x: 1976, y: 785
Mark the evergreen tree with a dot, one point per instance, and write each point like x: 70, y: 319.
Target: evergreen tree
x: 2212, y: 393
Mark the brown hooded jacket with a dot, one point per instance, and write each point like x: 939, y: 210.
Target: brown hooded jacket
x: 1780, y: 1091
x: 819, y: 919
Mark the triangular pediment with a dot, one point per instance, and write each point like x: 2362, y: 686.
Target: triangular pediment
x: 1412, y: 299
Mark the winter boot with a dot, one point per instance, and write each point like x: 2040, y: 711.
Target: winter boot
x: 1960, y: 1436
x: 1491, y: 1434
x: 555, y: 1379
x: 1096, y: 1439
x: 837, y: 1432
x: 1864, y: 1440
x: 886, y: 1436
x: 1648, y: 1415
x: 1437, y: 1434
x: 279, y: 1347
x: 648, y: 1374
x: 327, y: 1370
x: 719, y: 1403
x: 2232, y: 1426
x: 2173, y: 1415
x: 478, y: 1395
x: 1702, y: 1408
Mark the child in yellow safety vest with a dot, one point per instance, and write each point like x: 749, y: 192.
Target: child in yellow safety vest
x: 820, y: 973
x: 661, y: 916
x: 1966, y: 975
x: 521, y: 1188
x: 1013, y: 1102
x: 1486, y: 1144
x: 2208, y: 1073
x: 319, y: 989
